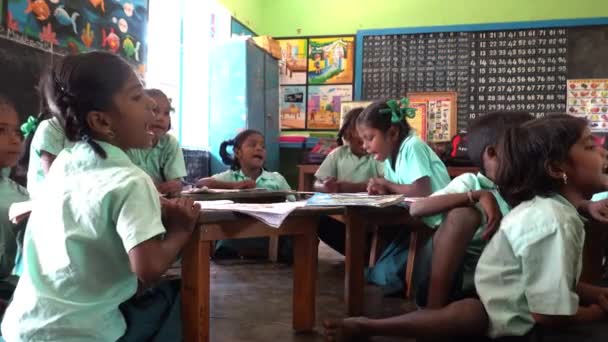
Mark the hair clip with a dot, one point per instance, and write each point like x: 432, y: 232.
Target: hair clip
x: 399, y: 110
x: 29, y: 126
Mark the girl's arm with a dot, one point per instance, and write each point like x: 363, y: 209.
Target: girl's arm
x: 420, y: 188
x: 173, y: 186
x: 439, y: 204
x: 352, y: 187
x: 584, y: 315
x: 213, y: 183
x: 46, y: 159
x: 331, y: 185
x: 589, y: 294
x: 150, y: 259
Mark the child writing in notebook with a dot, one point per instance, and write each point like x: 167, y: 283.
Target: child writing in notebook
x: 246, y: 172
x: 11, y: 147
x: 97, y: 226
x: 164, y: 162
x: 473, y: 208
x: 411, y: 168
x: 348, y: 168
x: 528, y: 274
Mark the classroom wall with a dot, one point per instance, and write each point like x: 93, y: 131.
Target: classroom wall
x: 248, y: 12
x: 322, y: 17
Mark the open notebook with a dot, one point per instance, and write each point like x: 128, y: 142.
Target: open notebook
x: 272, y: 214
x: 360, y: 199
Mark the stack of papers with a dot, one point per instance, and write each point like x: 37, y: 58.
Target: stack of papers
x: 206, y: 190
x: 272, y: 214
x: 361, y: 199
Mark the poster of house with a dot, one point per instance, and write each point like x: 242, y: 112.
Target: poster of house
x: 325, y: 105
x: 292, y: 66
x: 331, y: 60
x: 118, y: 26
x: 293, y: 107
x: 589, y: 99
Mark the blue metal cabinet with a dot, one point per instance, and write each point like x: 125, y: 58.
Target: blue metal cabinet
x: 244, y: 93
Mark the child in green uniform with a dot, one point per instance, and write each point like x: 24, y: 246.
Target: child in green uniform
x: 528, y: 274
x: 43, y: 147
x: 164, y: 162
x: 473, y: 208
x: 11, y: 146
x: 410, y: 168
x: 246, y: 172
x: 96, y: 227
x: 348, y: 168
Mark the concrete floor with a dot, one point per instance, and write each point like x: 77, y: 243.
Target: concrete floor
x: 251, y: 300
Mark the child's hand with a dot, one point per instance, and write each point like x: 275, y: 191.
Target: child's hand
x: 170, y: 187
x: 203, y: 182
x: 598, y: 210
x: 246, y: 184
x: 331, y: 185
x: 490, y: 207
x: 180, y: 214
x: 377, y: 186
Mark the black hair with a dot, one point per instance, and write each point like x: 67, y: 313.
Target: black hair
x: 525, y: 151
x: 236, y: 143
x: 350, y: 119
x: 82, y: 83
x: 487, y: 129
x: 374, y: 117
x: 153, y: 92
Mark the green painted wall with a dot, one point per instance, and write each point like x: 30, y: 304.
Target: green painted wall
x: 248, y: 12
x: 322, y: 17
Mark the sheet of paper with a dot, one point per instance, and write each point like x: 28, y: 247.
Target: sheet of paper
x: 272, y: 214
x: 354, y: 199
x: 18, y: 210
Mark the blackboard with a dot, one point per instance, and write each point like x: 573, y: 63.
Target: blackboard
x: 21, y: 66
x: 514, y: 69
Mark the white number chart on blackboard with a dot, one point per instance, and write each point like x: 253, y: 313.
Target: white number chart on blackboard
x: 589, y: 99
x: 515, y: 70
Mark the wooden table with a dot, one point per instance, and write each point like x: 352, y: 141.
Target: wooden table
x: 242, y: 196
x: 306, y: 176
x: 301, y: 224
x: 356, y: 220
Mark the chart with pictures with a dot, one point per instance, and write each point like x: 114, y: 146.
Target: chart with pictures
x: 589, y: 99
x: 516, y: 70
x: 438, y: 112
x: 316, y: 77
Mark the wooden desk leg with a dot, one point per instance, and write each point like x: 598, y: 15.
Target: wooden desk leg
x: 411, y: 261
x: 195, y: 290
x: 354, y: 284
x: 304, y: 281
x: 301, y: 180
x: 273, y: 248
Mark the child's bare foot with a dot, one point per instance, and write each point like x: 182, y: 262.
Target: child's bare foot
x: 345, y: 330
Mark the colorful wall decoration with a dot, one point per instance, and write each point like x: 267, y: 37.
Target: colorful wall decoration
x: 325, y: 105
x: 330, y: 60
x: 292, y: 105
x: 118, y: 26
x: 435, y: 119
x: 320, y: 68
x: 589, y: 99
x: 292, y: 66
